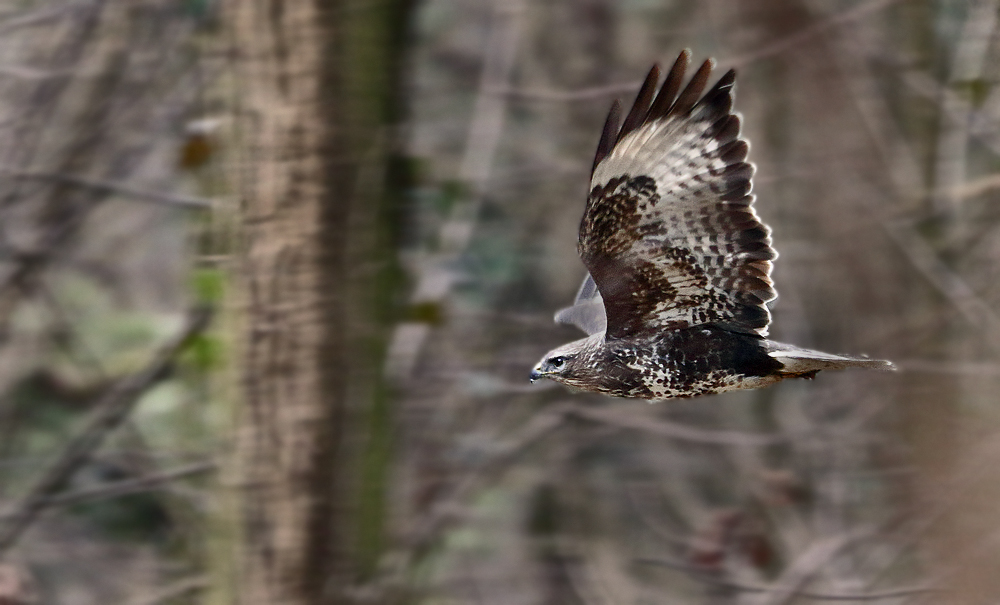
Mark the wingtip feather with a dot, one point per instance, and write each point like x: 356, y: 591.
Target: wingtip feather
x: 671, y: 85
x: 688, y: 98
x: 609, y: 134
x: 640, y: 108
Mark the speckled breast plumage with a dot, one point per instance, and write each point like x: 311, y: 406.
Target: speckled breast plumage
x: 685, y: 363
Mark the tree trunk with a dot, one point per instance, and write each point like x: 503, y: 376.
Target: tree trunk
x: 314, y: 89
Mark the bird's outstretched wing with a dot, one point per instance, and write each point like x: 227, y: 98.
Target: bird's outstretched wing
x: 669, y: 233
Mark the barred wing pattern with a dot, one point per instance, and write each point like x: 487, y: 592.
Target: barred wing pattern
x: 669, y: 233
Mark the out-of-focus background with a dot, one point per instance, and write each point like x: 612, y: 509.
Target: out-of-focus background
x: 273, y: 275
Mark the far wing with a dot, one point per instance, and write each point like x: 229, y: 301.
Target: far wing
x: 587, y: 312
x: 669, y: 233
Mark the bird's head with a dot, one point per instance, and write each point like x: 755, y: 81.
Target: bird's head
x: 565, y: 363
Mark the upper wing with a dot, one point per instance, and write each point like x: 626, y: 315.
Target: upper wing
x: 669, y: 233
x: 587, y: 312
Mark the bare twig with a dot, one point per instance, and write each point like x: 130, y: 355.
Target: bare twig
x: 171, y: 592
x: 775, y: 48
x: 507, y: 451
x: 542, y: 425
x: 980, y: 125
x: 946, y: 281
x: 976, y: 187
x: 791, y: 583
x: 702, y: 576
x: 954, y: 129
x: 66, y: 325
x: 562, y: 96
x: 122, y: 488
x: 894, y: 150
x: 443, y: 513
x: 481, y: 144
x: 107, y: 413
x: 807, y: 34
x: 952, y: 494
x: 27, y: 73
x: 672, y: 430
x: 156, y: 197
x: 36, y: 17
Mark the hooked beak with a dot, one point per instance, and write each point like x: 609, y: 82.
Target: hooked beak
x: 535, y: 375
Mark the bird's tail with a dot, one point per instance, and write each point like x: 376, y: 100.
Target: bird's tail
x: 806, y: 362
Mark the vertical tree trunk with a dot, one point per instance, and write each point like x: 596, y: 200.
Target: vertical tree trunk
x: 294, y: 231
x: 314, y: 88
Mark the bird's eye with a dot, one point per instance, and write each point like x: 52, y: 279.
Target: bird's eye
x: 557, y: 362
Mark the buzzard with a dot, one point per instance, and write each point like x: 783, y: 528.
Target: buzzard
x: 679, y: 264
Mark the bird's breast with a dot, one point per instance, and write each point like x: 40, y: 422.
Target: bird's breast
x: 685, y: 363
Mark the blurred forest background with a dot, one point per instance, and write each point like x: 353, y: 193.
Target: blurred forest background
x: 273, y: 274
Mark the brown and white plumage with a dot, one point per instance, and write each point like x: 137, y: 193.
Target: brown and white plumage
x: 675, y: 302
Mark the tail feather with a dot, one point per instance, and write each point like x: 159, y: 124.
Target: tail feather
x: 806, y: 362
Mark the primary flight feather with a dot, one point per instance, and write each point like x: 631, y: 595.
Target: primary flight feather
x: 675, y: 302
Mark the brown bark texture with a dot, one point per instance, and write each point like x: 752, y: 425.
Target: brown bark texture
x: 294, y: 217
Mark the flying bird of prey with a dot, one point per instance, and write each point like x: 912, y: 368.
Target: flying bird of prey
x: 679, y: 264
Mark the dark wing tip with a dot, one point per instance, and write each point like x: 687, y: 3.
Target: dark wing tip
x: 609, y: 135
x: 640, y: 109
x: 719, y: 100
x: 692, y: 92
x: 652, y: 105
x: 668, y: 92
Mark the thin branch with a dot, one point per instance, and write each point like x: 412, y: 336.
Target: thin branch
x: 116, y: 489
x: 156, y: 197
x: 802, y: 36
x: 562, y: 96
x: 171, y: 592
x: 946, y: 281
x: 36, y: 17
x: 504, y: 454
x: 888, y: 140
x: 489, y: 112
x: 67, y: 325
x: 982, y: 126
x: 28, y: 73
x: 107, y: 414
x: 443, y: 512
x: 976, y: 187
x: 952, y: 148
x: 543, y: 424
x: 663, y: 428
x: 486, y: 128
x: 702, y: 576
x: 952, y: 493
x: 808, y: 34
x: 808, y: 563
